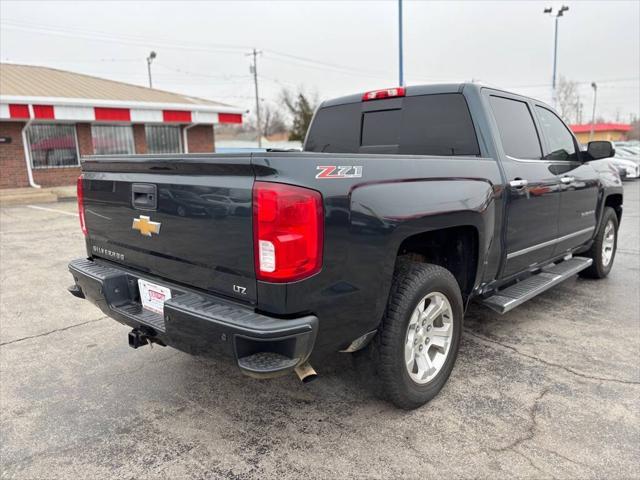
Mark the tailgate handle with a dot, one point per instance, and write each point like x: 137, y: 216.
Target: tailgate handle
x: 144, y: 196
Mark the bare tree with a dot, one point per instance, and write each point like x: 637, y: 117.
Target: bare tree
x: 272, y: 121
x: 567, y: 99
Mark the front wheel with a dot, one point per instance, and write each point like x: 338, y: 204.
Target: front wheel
x: 603, y: 250
x: 420, y: 334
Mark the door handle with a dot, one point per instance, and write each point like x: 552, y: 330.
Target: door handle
x: 518, y: 183
x: 144, y: 196
x: 567, y: 179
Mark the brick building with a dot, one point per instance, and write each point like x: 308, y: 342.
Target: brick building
x: 49, y: 118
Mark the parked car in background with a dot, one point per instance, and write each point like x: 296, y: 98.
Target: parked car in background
x: 627, y: 166
x: 628, y: 151
x: 627, y: 159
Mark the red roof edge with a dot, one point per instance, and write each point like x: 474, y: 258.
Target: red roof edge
x: 601, y: 127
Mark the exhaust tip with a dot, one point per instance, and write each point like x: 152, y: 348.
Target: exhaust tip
x: 306, y: 373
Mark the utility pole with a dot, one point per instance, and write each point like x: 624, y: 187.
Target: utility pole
x: 400, y: 52
x: 558, y: 14
x: 254, y: 69
x: 593, y: 114
x: 150, y: 58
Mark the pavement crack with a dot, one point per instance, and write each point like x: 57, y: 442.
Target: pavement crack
x: 533, y: 424
x: 52, y: 331
x: 570, y: 460
x: 528, y: 435
x: 552, y: 364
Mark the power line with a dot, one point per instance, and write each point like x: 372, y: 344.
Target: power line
x: 121, y: 39
x: 74, y: 32
x: 282, y: 83
x: 198, y: 74
x: 325, y: 64
x: 297, y: 60
x: 586, y: 82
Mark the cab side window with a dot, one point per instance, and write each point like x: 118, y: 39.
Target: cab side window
x: 517, y: 130
x: 560, y: 140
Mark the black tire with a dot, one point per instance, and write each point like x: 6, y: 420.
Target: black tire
x: 412, y: 282
x: 598, y: 268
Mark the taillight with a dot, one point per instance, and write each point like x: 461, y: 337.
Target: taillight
x: 385, y: 93
x: 287, y: 232
x: 83, y: 225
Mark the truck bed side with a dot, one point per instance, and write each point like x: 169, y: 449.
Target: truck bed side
x: 367, y: 220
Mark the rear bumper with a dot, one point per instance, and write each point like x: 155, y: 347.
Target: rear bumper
x: 197, y: 323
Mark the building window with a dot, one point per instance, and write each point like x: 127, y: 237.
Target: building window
x: 112, y: 140
x: 52, y: 146
x: 163, y: 139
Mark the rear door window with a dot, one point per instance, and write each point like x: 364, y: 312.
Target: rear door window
x: 517, y: 130
x: 423, y: 125
x: 438, y: 125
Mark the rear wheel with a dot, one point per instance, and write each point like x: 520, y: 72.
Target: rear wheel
x: 420, y: 334
x: 603, y: 250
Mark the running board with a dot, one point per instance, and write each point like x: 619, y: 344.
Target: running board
x: 509, y: 298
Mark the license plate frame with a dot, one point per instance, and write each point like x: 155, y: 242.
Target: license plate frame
x: 153, y: 296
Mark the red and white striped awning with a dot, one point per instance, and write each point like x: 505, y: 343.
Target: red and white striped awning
x: 111, y: 111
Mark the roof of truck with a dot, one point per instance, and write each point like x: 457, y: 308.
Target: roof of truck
x: 429, y: 89
x: 410, y: 91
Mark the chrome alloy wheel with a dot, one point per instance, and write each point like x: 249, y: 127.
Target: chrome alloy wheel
x: 608, y: 243
x: 428, y: 338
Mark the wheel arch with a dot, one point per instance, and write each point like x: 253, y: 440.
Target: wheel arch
x: 614, y: 201
x: 454, y: 248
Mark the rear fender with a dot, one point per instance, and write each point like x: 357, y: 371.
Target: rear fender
x: 385, y: 214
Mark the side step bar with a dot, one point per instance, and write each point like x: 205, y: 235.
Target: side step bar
x: 509, y: 298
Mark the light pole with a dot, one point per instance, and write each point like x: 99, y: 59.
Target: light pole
x: 593, y: 113
x: 150, y: 58
x: 400, y: 52
x: 558, y: 14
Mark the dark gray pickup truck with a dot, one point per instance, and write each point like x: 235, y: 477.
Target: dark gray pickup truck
x: 405, y: 205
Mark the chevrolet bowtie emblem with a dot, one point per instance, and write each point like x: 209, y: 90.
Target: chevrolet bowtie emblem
x: 145, y: 226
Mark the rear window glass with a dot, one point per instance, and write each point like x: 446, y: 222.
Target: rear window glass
x: 425, y: 125
x: 381, y: 128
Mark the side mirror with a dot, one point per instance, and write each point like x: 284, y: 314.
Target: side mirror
x: 600, y: 149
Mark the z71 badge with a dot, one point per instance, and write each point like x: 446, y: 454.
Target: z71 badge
x: 333, y: 171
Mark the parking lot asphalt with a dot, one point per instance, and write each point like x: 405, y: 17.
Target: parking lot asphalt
x: 550, y: 390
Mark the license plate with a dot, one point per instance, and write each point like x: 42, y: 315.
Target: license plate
x: 153, y: 296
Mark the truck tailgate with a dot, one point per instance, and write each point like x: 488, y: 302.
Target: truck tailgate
x: 184, y: 218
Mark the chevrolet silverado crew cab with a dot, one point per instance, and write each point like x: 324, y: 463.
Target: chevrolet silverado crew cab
x: 404, y: 206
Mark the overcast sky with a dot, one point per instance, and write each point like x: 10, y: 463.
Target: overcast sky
x: 334, y: 48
